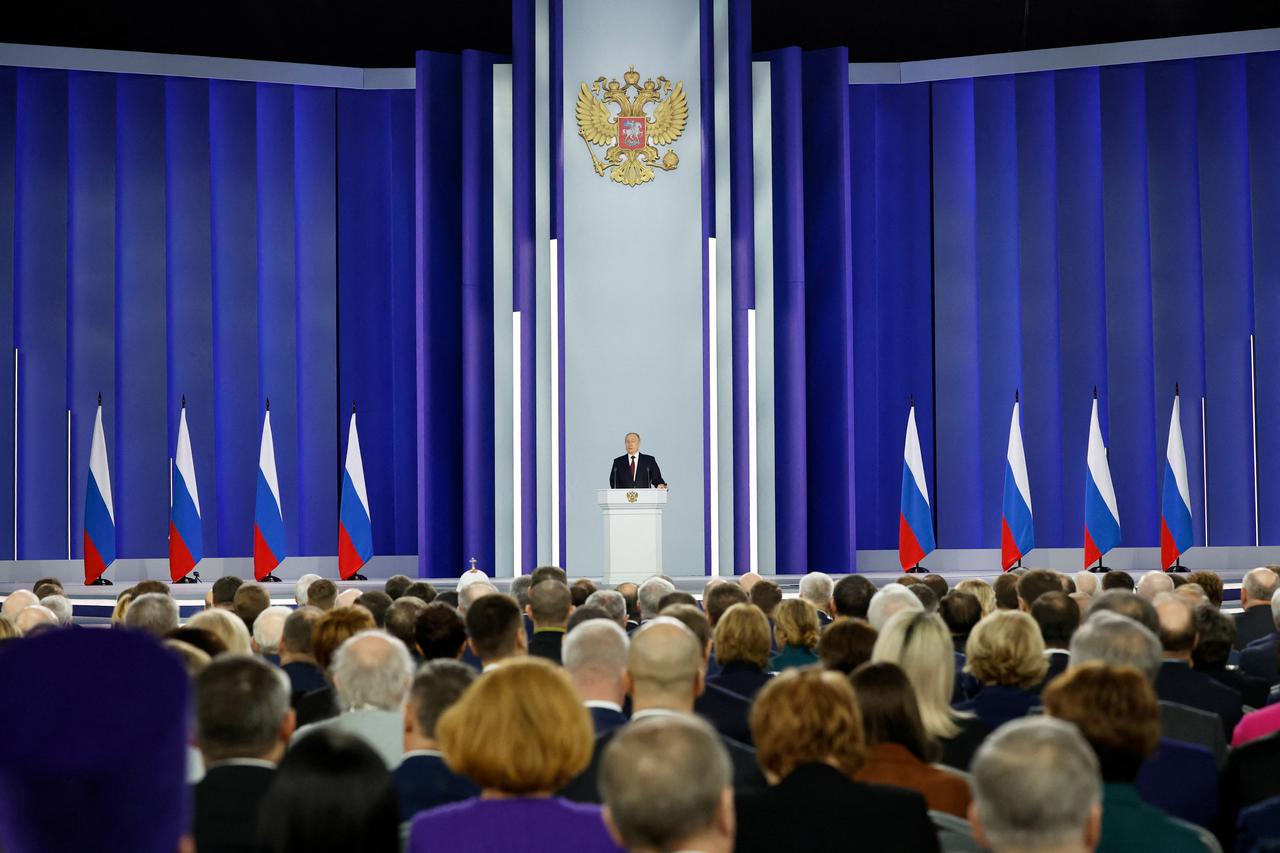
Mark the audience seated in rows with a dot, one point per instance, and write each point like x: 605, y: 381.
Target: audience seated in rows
x: 742, y: 643
x: 423, y: 780
x: 725, y: 710
x: 817, y: 588
x: 1057, y: 616
x: 1006, y: 654
x: 1177, y: 681
x: 595, y: 659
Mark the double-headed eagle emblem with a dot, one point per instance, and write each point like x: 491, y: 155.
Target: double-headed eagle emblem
x: 634, y: 131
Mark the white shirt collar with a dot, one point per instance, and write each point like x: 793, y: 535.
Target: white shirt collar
x: 601, y: 703
x: 1057, y: 652
x: 656, y: 712
x: 242, y: 762
x: 490, y: 666
x: 411, y: 753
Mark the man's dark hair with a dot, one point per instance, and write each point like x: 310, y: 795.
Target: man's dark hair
x: 1068, y: 583
x: 543, y: 573
x: 926, y: 596
x: 322, y: 593
x: 846, y: 644
x: 550, y: 603
x: 241, y: 702
x: 376, y: 602
x: 676, y: 597
x: 1217, y: 633
x: 720, y: 598
x: 298, y: 625
x: 766, y: 595
x: 631, y: 596
x: 439, y: 631
x: 581, y: 590
x: 224, y: 589
x: 449, y: 597
x: 421, y: 590
x: 144, y: 587
x: 48, y: 586
x: 585, y: 613
x: 1178, y: 579
x: 250, y: 600
x: 1058, y: 616
x: 1036, y: 583
x: 961, y: 611
x: 402, y: 620
x: 1006, y: 590
x: 694, y: 619
x: 852, y: 595
x: 1128, y: 604
x: 493, y: 623
x: 937, y: 583
x: 396, y: 585
x: 438, y: 684
x: 201, y: 638
x: 1117, y: 580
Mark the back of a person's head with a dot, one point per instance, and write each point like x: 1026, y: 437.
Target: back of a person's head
x: 580, y: 590
x: 331, y: 791
x: 371, y: 669
x: 630, y: 593
x: 664, y: 660
x: 322, y: 593
x: 928, y: 600
x: 153, y: 613
x: 224, y: 590
x: 470, y: 594
x: 61, y: 607
x: 494, y: 626
x: 937, y: 583
x: 1129, y: 604
x: 199, y: 638
x: 889, y: 600
x: 1177, y: 623
x: 439, y: 631
x: 296, y: 637
x: 401, y: 620
x: 1258, y: 585
x: 241, y: 706
x: 1006, y: 649
x: 229, y: 627
x: 1217, y: 637
x: 595, y: 649
x: 542, y: 573
x: 1036, y: 786
x: 961, y: 611
x: 250, y: 600
x: 46, y: 587
x: 15, y: 601
x: 377, y: 603
x: 146, y: 586
x: 300, y: 587
x: 268, y: 628
x: 1086, y: 582
x: 1115, y: 708
x: 1211, y: 583
x: 980, y: 590
x: 520, y: 729
x: 1112, y: 638
x: 611, y: 601
x: 665, y: 780
x: 650, y: 593
x: 1036, y: 583
x: 1058, y: 616
x: 720, y: 598
x: 421, y: 590
x: 1006, y: 591
x: 1117, y: 580
x: 334, y: 628
x: 890, y: 713
x: 520, y: 589
x: 921, y: 644
x: 437, y: 685
x: 817, y: 589
x: 692, y: 618
x: 807, y: 716
x: 550, y: 603
x: 846, y: 644
x: 766, y: 595
x: 395, y: 586
x: 742, y: 636
x: 676, y: 597
x: 586, y: 613
x: 852, y: 594
x: 795, y: 623
x: 1153, y: 583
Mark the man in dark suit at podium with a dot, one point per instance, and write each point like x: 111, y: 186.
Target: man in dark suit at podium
x: 635, y: 470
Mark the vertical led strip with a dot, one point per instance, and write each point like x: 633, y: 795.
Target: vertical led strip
x: 1253, y: 412
x: 554, y: 324
x: 1204, y: 467
x: 713, y: 426
x: 68, y: 484
x: 517, y: 513
x: 15, y: 453
x: 753, y: 477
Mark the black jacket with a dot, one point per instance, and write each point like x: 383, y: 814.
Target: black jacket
x: 227, y: 803
x: 1253, y: 624
x: 546, y: 644
x: 1178, y: 682
x: 726, y: 711
x: 647, y: 476
x: 1249, y: 777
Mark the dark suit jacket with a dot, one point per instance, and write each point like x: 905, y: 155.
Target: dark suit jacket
x: 958, y: 751
x: 227, y: 803
x: 859, y: 816
x: 303, y: 678
x: 726, y: 711
x: 606, y: 719
x: 546, y: 644
x: 1057, y: 665
x: 1178, y: 682
x: 742, y: 678
x: 1181, y: 780
x: 1253, y: 691
x: 647, y: 473
x: 423, y: 781
x: 996, y: 705
x: 1253, y: 624
x: 316, y: 706
x: 1258, y: 659
x: 1249, y: 777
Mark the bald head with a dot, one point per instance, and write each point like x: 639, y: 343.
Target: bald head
x: 594, y: 655
x: 347, y: 597
x: 664, y: 666
x: 17, y: 600
x: 33, y: 616
x: 1256, y: 589
x: 1152, y: 584
x: 372, y: 668
x: 472, y: 593
x: 1086, y: 582
x: 1177, y: 626
x: 747, y: 581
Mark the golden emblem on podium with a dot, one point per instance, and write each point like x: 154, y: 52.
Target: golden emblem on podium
x: 632, y: 497
x: 632, y: 134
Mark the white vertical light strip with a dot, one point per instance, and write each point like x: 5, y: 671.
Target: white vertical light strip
x: 504, y: 438
x: 1253, y: 412
x: 517, y: 509
x: 68, y: 484
x: 753, y: 481
x: 713, y: 405
x: 15, y: 453
x: 1204, y: 467
x: 554, y: 286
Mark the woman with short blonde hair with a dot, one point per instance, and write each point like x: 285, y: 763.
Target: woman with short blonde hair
x: 742, y: 644
x: 980, y: 590
x: 227, y: 626
x: 8, y: 629
x: 521, y: 733
x: 1006, y: 653
x: 796, y: 633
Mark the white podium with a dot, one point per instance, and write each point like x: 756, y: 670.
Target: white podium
x: 632, y: 533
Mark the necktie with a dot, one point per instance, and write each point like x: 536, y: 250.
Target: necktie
x: 633, y: 469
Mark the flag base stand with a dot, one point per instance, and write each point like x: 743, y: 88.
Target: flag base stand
x: 1099, y: 569
x: 194, y: 577
x: 269, y: 579
x: 1176, y: 568
x: 917, y: 569
x: 99, y: 581
x: 356, y: 577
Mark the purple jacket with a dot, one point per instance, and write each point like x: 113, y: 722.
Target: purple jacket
x: 530, y: 825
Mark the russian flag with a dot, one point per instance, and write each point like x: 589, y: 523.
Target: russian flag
x: 186, y: 533
x: 355, y: 527
x: 268, y: 520
x: 915, y: 521
x: 1017, y: 527
x: 1101, y: 518
x: 99, y: 512
x: 1175, y: 500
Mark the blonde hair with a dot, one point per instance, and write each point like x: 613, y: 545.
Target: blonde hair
x: 742, y: 634
x: 122, y: 607
x: 980, y: 590
x: 193, y: 660
x: 807, y: 716
x: 228, y: 627
x: 795, y: 623
x: 8, y: 628
x: 519, y: 729
x: 1006, y: 648
x: 920, y: 644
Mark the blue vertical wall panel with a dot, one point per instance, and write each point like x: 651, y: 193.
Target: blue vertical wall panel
x: 316, y: 266
x: 402, y: 432
x: 1264, y: 181
x: 1130, y: 369
x: 958, y: 421
x: 141, y: 475
x: 238, y: 400
x: 8, y: 116
x: 866, y: 322
x: 1176, y: 283
x: 91, y: 281
x: 189, y: 288
x: 1226, y: 238
x: 40, y: 313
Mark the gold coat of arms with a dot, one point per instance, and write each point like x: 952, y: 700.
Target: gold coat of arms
x: 632, y: 133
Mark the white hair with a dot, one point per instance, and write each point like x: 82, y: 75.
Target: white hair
x: 301, y: 586
x: 889, y: 600
x: 1086, y: 582
x: 60, y: 606
x: 609, y: 600
x: 596, y: 646
x: 470, y: 594
x: 372, y: 668
x: 1153, y: 583
x: 816, y: 588
x: 154, y: 612
x: 1118, y: 640
x: 1259, y: 584
x: 651, y: 593
x: 268, y: 628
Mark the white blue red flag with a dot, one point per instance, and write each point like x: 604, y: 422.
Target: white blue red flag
x: 1017, y: 527
x: 1101, y: 517
x: 1175, y: 500
x: 99, y: 512
x: 268, y: 520
x: 186, y: 534
x: 355, y: 527
x: 915, y: 520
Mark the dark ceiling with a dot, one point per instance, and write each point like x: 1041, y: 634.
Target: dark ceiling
x: 379, y: 33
